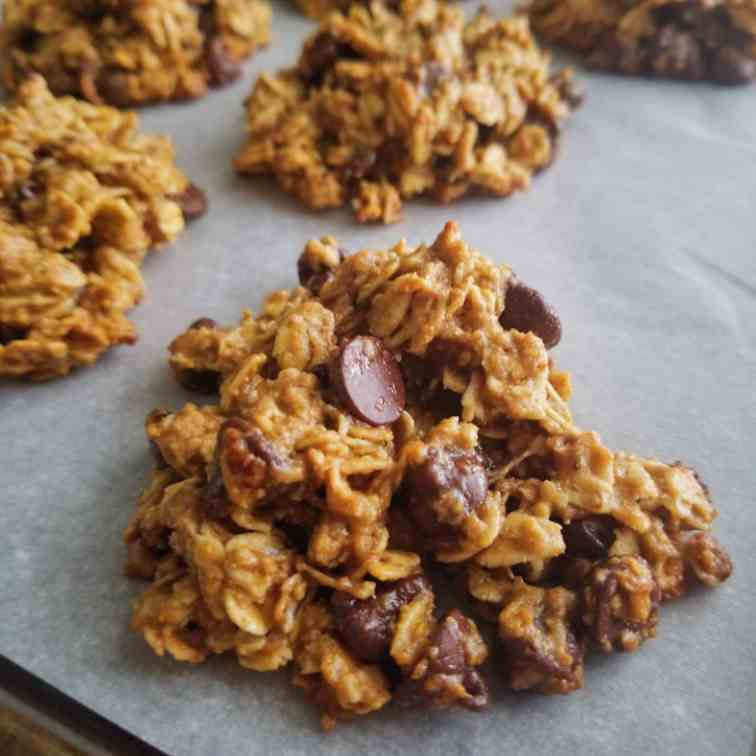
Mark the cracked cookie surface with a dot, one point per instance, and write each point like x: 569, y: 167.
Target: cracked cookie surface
x: 387, y: 103
x: 712, y: 40
x: 83, y: 197
x: 381, y: 433
x: 130, y: 53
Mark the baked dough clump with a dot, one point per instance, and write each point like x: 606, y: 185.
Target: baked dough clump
x: 384, y: 417
x: 712, y: 40
x: 83, y: 197
x: 388, y: 103
x: 130, y: 53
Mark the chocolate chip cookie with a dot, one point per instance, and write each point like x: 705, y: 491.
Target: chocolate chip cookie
x: 130, y: 53
x: 396, y: 410
x: 713, y: 40
x: 390, y: 102
x: 83, y: 197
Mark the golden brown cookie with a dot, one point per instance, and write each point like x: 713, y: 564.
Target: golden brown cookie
x: 130, y: 53
x: 712, y: 40
x: 388, y: 103
x: 83, y: 197
x: 384, y: 416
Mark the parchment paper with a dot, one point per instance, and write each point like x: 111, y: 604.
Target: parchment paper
x: 642, y: 235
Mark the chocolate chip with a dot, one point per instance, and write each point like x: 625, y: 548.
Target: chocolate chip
x: 215, y: 500
x: 366, y: 626
x: 526, y: 310
x: 732, y: 66
x: 447, y: 474
x: 368, y: 381
x: 359, y: 164
x: 257, y: 445
x: 222, y: 66
x: 312, y: 273
x: 113, y: 85
x: 192, y: 201
x: 448, y: 668
x: 571, y: 91
x: 201, y: 381
x: 620, y: 603
x: 203, y: 323
x: 242, y: 447
x: 28, y: 39
x: 320, y: 54
x: 10, y: 333
x: 677, y: 53
x: 589, y: 538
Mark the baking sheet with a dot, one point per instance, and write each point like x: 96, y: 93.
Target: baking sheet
x: 643, y: 237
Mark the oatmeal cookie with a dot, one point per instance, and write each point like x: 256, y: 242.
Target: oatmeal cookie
x: 84, y: 196
x: 713, y: 40
x: 387, y: 103
x: 130, y: 53
x: 399, y: 409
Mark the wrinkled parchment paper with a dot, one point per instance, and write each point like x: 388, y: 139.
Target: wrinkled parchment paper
x: 643, y: 237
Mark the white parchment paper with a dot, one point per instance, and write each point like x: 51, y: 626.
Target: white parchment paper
x: 643, y: 237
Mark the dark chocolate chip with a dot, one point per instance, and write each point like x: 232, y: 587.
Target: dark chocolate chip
x: 215, y: 500
x: 113, y: 86
x: 677, y: 53
x: 368, y: 381
x: 366, y: 626
x: 311, y: 276
x: 589, y: 538
x: 445, y: 472
x: 27, y: 39
x: 526, y: 310
x: 10, y: 333
x: 732, y: 66
x: 203, y: 323
x: 359, y: 164
x: 321, y: 54
x: 570, y: 90
x: 222, y: 66
x: 448, y: 666
x: 192, y: 201
x: 201, y: 381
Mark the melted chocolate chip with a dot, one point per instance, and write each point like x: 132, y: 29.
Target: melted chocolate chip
x: 311, y: 275
x: 445, y: 472
x: 448, y: 666
x: 366, y: 626
x: 321, y: 54
x: 203, y: 323
x: 368, y: 381
x: 222, y: 66
x: 526, y: 310
x: 10, y: 333
x: 732, y: 66
x: 192, y: 201
x: 113, y: 85
x: 214, y: 497
x: 589, y: 538
x: 201, y: 381
x: 359, y: 163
